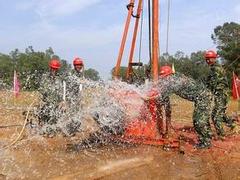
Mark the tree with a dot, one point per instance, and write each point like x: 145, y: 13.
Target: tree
x: 122, y: 72
x: 227, y: 38
x: 49, y: 52
x: 6, y: 69
x: 92, y: 74
x: 65, y: 67
x: 198, y: 57
x: 193, y: 66
x: 30, y: 65
x: 179, y: 55
x: 138, y: 74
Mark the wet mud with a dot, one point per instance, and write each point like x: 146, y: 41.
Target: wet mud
x: 36, y: 157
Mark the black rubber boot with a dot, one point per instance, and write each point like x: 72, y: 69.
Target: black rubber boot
x: 203, y: 145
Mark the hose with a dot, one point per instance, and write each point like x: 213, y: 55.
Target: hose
x: 23, y: 128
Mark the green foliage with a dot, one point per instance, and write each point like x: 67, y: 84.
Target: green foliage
x: 227, y: 39
x: 92, y: 74
x: 122, y: 72
x: 65, y: 66
x: 6, y: 68
x: 31, y: 65
x: 138, y: 76
x: 193, y: 66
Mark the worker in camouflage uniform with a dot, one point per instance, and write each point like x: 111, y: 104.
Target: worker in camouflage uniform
x: 188, y: 89
x: 74, y: 83
x: 218, y: 85
x: 51, y: 90
x: 72, y: 104
x: 78, y: 67
x: 109, y: 115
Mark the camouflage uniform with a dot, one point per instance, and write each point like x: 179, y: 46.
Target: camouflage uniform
x: 218, y: 85
x: 52, y: 117
x: 79, y: 74
x: 189, y: 89
x: 71, y: 116
x: 73, y: 89
x: 51, y: 91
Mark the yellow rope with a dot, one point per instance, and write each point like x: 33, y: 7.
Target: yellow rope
x: 23, y: 128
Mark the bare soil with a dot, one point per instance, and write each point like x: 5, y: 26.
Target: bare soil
x: 35, y: 157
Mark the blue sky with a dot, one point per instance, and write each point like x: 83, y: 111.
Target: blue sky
x: 92, y: 29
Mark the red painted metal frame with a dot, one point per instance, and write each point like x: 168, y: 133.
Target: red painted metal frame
x: 147, y: 126
x: 155, y: 39
x: 144, y: 130
x: 122, y: 46
x: 130, y: 60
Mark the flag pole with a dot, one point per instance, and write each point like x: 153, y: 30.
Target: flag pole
x: 64, y: 91
x: 14, y: 83
x: 235, y: 92
x: 236, y: 86
x: 238, y: 110
x: 16, y: 87
x: 173, y: 68
x: 238, y: 100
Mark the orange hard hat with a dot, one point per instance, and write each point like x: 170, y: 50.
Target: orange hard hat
x: 54, y: 64
x: 210, y: 54
x: 165, y: 71
x: 77, y: 61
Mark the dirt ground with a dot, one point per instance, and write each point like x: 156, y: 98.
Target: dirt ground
x: 35, y: 157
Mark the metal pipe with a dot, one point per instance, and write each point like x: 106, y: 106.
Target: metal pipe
x: 139, y: 10
x: 149, y: 32
x: 155, y: 39
x: 130, y: 11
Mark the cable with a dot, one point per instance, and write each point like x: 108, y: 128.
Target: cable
x: 149, y: 31
x: 141, y: 32
x: 23, y: 128
x: 168, y: 24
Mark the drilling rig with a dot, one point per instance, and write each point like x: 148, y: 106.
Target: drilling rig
x: 148, y: 127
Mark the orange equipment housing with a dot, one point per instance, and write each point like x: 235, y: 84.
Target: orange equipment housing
x: 148, y: 126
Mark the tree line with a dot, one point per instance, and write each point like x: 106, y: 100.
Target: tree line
x: 227, y: 39
x: 31, y: 65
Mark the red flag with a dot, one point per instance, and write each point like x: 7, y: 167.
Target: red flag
x: 16, y: 84
x: 235, y: 87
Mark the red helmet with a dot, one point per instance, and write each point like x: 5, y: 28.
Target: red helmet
x: 77, y: 61
x: 54, y: 64
x: 165, y: 71
x: 210, y: 54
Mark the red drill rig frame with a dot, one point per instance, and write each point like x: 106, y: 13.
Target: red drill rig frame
x: 147, y: 128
